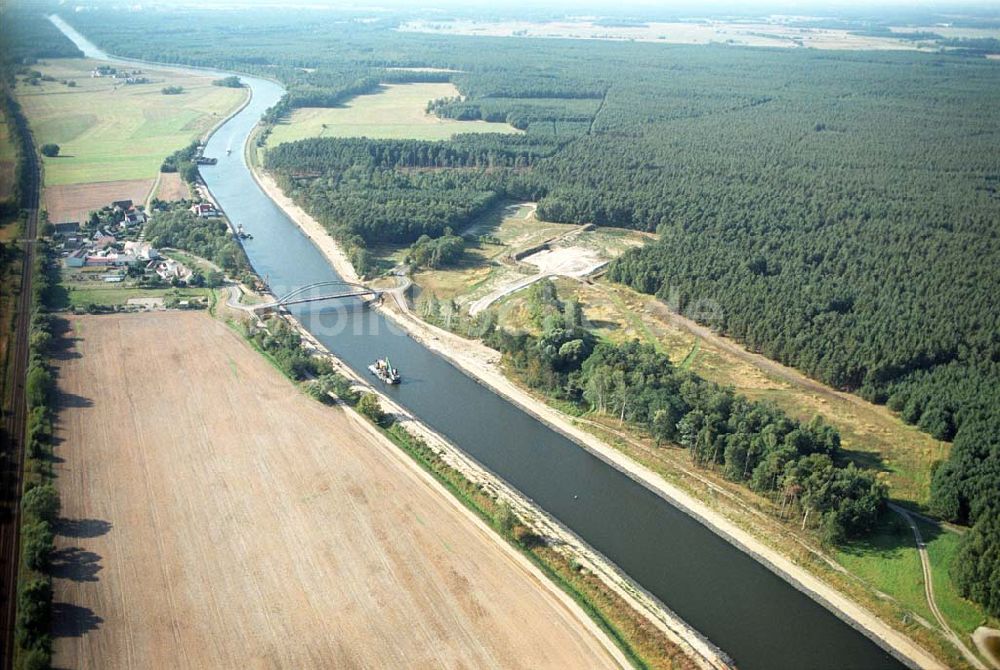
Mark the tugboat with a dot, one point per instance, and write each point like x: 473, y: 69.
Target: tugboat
x: 383, y: 369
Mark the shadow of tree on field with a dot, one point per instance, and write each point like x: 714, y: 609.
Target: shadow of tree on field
x: 70, y: 620
x: 76, y: 564
x: 82, y: 527
x: 72, y: 400
x: 891, y: 536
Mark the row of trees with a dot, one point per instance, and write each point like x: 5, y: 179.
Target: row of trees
x: 20, y: 137
x: 40, y: 504
x: 797, y: 465
x: 966, y: 489
x: 183, y: 161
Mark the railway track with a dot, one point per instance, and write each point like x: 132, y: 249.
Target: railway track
x: 12, y: 457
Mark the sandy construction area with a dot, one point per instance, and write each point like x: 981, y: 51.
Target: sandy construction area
x: 216, y: 518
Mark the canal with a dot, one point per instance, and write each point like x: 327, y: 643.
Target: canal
x: 755, y: 616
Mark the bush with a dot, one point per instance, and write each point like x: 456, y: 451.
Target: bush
x: 42, y: 502
x: 50, y: 150
x: 38, y: 386
x: 228, y: 82
x: 370, y: 406
x: 37, y: 540
x: 36, y: 659
x: 34, y: 613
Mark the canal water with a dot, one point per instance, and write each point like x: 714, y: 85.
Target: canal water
x: 755, y: 616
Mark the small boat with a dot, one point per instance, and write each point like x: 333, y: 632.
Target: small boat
x: 383, y: 369
x: 229, y: 151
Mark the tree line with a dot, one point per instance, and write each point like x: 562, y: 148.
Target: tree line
x: 797, y: 465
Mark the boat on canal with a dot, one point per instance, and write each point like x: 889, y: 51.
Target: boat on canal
x: 383, y: 369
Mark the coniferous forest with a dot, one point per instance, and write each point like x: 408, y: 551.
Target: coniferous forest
x: 841, y: 208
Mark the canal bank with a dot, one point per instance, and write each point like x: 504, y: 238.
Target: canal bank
x: 482, y: 364
x: 752, y: 613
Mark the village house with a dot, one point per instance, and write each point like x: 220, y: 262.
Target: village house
x: 204, y: 209
x: 168, y: 269
x: 111, y: 258
x: 143, y: 251
x: 134, y: 217
x: 77, y: 259
x: 66, y: 227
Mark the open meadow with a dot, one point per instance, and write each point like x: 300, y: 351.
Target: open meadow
x: 398, y: 111
x: 216, y: 517
x: 114, y: 133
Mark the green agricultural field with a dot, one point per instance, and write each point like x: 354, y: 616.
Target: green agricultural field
x: 397, y: 112
x: 108, y: 131
x: 115, y: 294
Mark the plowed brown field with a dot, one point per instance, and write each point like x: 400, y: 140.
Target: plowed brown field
x: 216, y: 517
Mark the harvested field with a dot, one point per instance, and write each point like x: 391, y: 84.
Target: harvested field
x: 216, y: 518
x: 172, y: 188
x: 73, y: 202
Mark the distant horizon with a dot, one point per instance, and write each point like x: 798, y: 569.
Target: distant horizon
x: 637, y: 9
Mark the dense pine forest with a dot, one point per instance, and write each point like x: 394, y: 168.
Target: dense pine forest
x: 841, y: 207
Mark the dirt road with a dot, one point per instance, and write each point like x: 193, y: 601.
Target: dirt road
x: 216, y: 517
x: 925, y: 564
